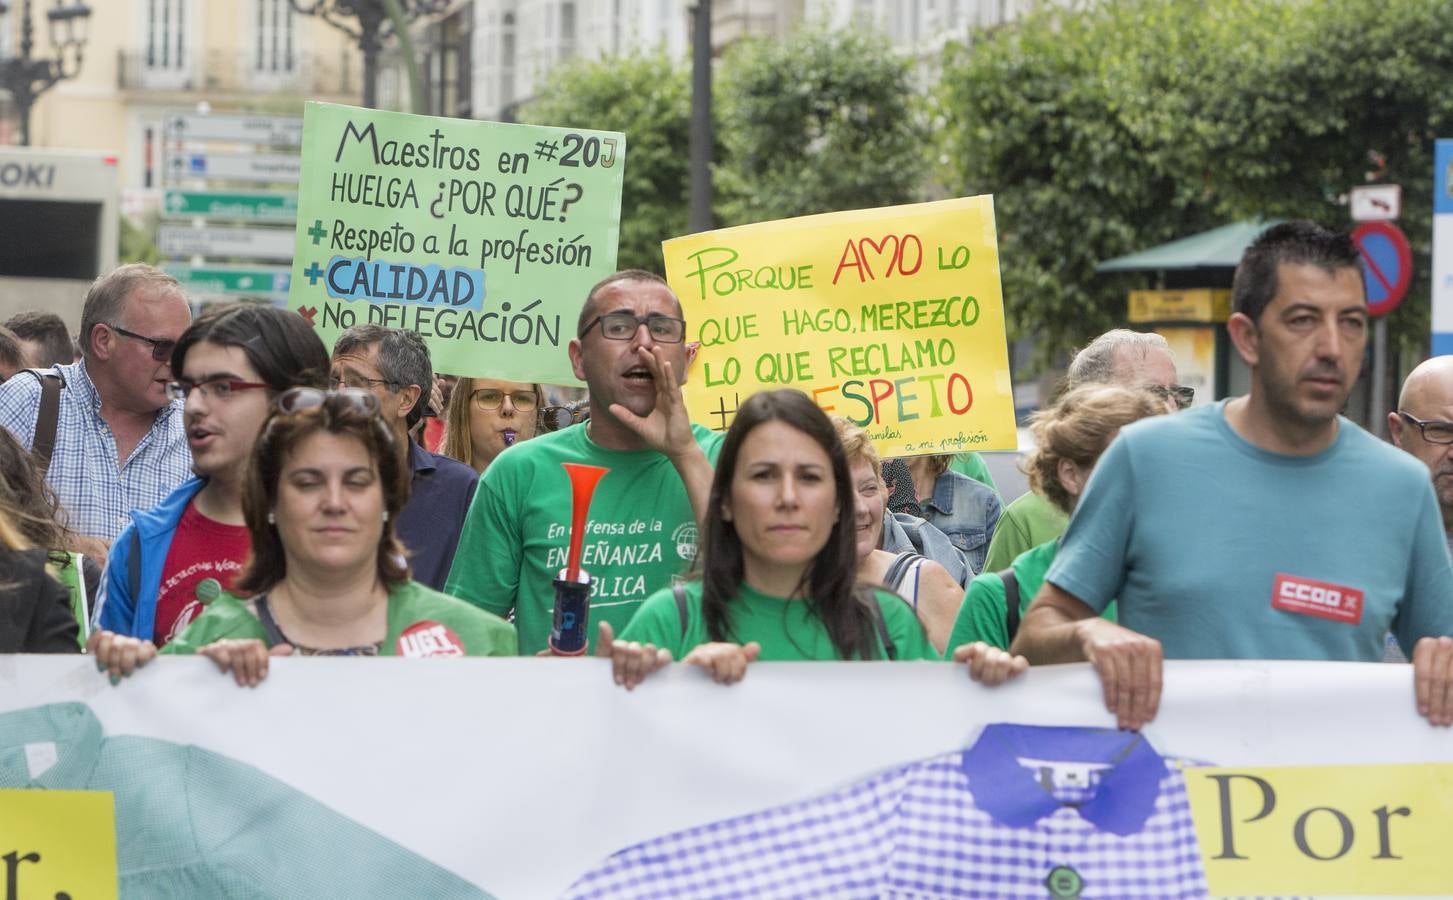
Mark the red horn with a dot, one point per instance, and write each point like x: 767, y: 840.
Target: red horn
x: 583, y: 480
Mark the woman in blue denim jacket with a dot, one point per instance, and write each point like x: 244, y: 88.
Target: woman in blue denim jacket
x: 962, y: 508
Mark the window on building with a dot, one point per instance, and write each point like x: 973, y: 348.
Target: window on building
x: 274, y: 47
x: 166, y: 34
x: 567, y: 29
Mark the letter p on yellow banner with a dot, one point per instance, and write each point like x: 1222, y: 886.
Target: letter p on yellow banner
x: 892, y: 318
x: 57, y: 844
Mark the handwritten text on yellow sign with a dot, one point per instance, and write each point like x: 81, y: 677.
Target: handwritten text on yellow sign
x: 893, y: 318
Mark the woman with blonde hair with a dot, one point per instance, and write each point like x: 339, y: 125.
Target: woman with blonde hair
x: 927, y: 586
x: 1070, y: 435
x: 486, y: 415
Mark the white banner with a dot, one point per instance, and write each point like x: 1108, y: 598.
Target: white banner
x: 521, y: 775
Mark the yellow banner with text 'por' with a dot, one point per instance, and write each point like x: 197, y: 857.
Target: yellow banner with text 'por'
x: 1376, y: 830
x: 57, y: 843
x: 892, y: 317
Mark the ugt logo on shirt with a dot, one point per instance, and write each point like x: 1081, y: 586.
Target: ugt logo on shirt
x: 1322, y: 599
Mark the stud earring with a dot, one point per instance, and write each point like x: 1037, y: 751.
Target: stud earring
x: 271, y: 519
x: 385, y: 515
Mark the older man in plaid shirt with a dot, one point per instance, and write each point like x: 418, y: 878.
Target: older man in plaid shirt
x: 120, y: 443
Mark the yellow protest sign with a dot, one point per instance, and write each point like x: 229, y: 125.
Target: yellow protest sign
x: 57, y: 844
x: 1340, y: 830
x: 892, y: 317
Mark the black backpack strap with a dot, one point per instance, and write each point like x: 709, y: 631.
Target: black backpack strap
x: 1011, y: 601
x: 133, y: 566
x: 881, y: 625
x: 678, y: 590
x: 898, y: 567
x: 270, y: 627
x: 47, y: 418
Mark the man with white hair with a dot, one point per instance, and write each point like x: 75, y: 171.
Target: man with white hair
x: 1128, y: 358
x: 118, y: 437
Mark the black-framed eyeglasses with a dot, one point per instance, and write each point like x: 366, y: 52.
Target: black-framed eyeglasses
x: 622, y: 326
x: 216, y: 388
x: 554, y: 418
x: 1179, y: 394
x: 1434, y: 431
x: 161, y: 348
x: 350, y: 399
x: 494, y: 398
x: 359, y: 382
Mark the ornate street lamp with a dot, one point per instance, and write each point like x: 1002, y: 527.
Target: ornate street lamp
x: 377, y: 21
x: 25, y: 78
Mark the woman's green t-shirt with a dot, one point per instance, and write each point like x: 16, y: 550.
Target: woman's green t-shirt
x: 983, y: 617
x: 786, y: 629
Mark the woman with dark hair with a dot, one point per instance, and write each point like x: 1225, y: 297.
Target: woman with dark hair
x: 486, y: 415
x: 229, y: 365
x: 32, y: 509
x: 779, y: 562
x: 35, y: 610
x: 327, y: 575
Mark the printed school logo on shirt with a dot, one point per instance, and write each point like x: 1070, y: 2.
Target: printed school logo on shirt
x: 1322, y: 599
x: 428, y: 638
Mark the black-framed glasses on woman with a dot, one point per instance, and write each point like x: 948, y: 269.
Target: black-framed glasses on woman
x: 622, y: 326
x: 1434, y: 431
x: 161, y: 348
x: 494, y: 398
x: 215, y: 388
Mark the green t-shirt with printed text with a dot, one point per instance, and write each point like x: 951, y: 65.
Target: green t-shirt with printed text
x: 639, y: 533
x: 786, y: 629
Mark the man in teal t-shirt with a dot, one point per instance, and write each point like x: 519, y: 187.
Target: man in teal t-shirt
x: 1264, y: 527
x: 642, y: 527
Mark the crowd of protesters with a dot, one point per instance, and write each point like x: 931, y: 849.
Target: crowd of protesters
x: 254, y: 495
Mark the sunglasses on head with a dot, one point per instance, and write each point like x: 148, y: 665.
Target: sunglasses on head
x: 301, y: 399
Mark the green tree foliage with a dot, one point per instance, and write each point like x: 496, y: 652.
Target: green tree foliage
x: 134, y: 243
x: 649, y: 99
x: 1110, y: 129
x: 815, y: 122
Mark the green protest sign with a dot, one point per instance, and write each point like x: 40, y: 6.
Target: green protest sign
x: 483, y: 237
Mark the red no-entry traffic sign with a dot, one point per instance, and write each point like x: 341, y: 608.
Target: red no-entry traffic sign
x: 1387, y: 265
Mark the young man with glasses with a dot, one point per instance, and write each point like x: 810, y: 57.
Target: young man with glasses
x: 642, y: 529
x: 119, y: 442
x: 393, y: 364
x: 1262, y: 527
x: 231, y: 364
x: 1423, y: 426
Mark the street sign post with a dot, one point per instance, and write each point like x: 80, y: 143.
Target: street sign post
x: 255, y: 281
x: 1387, y: 270
x: 1442, y: 342
x: 256, y: 167
x: 1387, y: 265
x: 228, y: 243
x: 284, y: 131
x: 1376, y: 202
x: 230, y: 205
